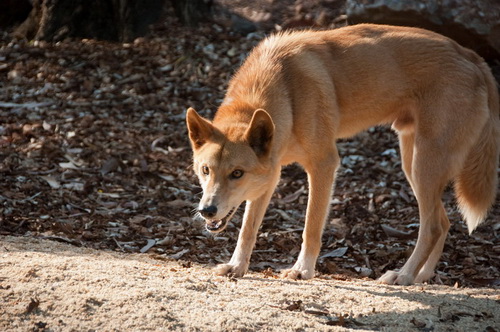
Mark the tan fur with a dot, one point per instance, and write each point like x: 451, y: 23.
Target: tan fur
x: 298, y: 92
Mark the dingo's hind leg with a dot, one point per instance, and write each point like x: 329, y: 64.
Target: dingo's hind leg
x: 407, y: 141
x: 427, y: 167
x: 427, y: 271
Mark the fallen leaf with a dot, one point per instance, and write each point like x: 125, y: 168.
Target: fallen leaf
x: 335, y: 320
x: 339, y: 252
x: 293, y: 306
x: 392, y: 232
x: 68, y: 165
x: 292, y: 197
x: 148, y: 246
x: 180, y: 254
x: 269, y: 273
x: 33, y: 305
x: 25, y: 105
x: 53, y: 183
x: 418, y: 323
x: 315, y: 309
x: 109, y: 165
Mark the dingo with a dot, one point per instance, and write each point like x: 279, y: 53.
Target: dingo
x: 298, y: 92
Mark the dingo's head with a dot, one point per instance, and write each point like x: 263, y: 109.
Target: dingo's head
x: 232, y: 163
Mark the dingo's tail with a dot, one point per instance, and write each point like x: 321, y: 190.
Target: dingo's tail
x: 476, y: 183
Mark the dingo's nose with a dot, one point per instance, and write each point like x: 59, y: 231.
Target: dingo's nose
x: 208, y: 211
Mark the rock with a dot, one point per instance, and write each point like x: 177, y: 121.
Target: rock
x: 233, y: 21
x: 474, y: 24
x: 242, y: 25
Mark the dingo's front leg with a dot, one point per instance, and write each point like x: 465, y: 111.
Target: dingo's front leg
x: 321, y: 177
x: 254, y: 213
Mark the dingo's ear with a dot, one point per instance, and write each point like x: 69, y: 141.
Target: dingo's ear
x: 260, y: 132
x: 200, y: 130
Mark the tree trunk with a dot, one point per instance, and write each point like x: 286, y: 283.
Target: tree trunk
x: 13, y: 11
x: 191, y: 12
x: 115, y: 20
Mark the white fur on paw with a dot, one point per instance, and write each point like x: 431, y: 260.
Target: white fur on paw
x: 396, y: 278
x: 230, y: 270
x: 297, y: 274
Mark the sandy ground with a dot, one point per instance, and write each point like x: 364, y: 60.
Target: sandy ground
x: 51, y: 286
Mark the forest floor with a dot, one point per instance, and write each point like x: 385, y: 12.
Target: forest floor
x: 97, y: 193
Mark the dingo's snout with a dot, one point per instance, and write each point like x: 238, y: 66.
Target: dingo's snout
x: 208, y: 212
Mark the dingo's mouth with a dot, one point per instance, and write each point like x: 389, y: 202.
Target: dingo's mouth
x: 216, y: 226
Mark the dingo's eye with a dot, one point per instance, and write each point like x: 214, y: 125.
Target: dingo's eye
x: 237, y: 173
x: 205, y: 170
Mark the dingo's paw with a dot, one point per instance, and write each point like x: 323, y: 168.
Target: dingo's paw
x: 396, y: 278
x: 297, y: 274
x: 424, y: 276
x: 236, y: 271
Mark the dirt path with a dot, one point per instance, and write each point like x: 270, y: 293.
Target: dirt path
x: 83, y: 289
